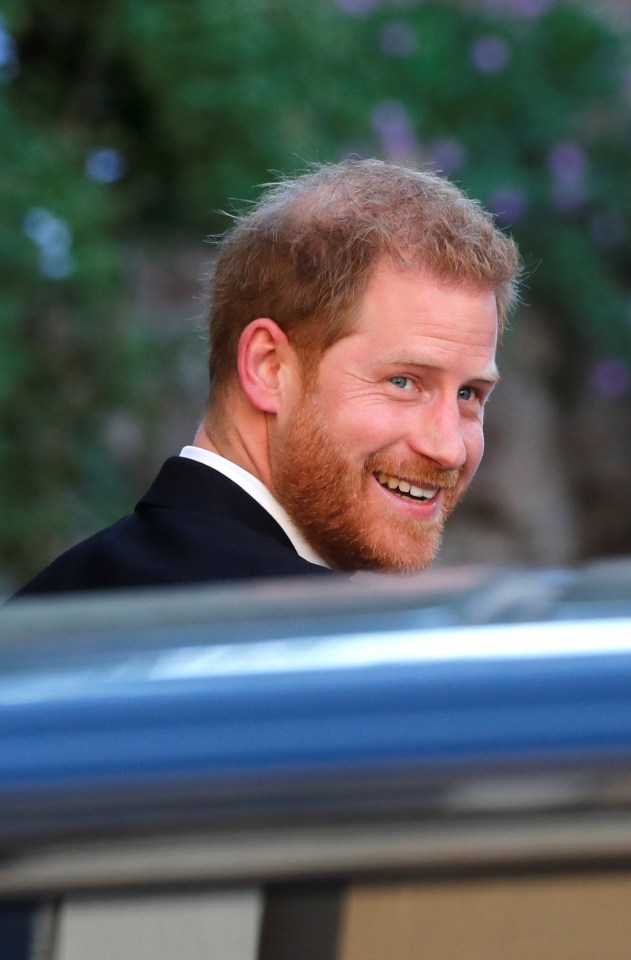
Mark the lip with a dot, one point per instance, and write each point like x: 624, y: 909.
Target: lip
x: 420, y: 511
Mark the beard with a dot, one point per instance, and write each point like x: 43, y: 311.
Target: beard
x: 329, y: 497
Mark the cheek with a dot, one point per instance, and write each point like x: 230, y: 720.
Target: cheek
x: 363, y: 427
x: 474, y: 442
x: 353, y: 418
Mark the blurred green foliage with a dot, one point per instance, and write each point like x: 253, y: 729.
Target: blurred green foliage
x: 134, y: 122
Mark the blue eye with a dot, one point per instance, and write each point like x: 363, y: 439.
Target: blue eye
x: 401, y: 382
x: 466, y: 393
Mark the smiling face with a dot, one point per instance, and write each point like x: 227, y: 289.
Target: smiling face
x: 371, y: 459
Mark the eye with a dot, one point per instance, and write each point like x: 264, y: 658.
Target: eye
x: 467, y: 393
x: 403, y: 383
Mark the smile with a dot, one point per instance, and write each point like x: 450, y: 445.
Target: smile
x: 406, y: 490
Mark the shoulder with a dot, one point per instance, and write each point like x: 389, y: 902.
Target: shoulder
x: 192, y: 526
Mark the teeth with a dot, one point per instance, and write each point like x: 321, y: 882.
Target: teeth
x: 393, y: 483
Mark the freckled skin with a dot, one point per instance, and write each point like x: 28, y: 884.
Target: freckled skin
x: 403, y: 393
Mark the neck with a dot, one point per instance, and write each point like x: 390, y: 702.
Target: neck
x: 241, y: 437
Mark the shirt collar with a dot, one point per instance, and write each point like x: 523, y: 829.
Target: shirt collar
x: 259, y: 492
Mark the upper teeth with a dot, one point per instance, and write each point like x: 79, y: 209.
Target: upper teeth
x: 393, y: 483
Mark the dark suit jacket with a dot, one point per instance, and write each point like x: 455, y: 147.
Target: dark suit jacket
x: 193, y: 526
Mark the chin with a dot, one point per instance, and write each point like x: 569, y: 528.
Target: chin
x: 396, y: 556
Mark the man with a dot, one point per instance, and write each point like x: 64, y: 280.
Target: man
x: 353, y: 326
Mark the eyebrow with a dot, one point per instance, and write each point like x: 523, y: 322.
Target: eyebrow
x: 490, y: 377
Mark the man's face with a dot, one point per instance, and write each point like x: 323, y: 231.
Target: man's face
x: 371, y: 459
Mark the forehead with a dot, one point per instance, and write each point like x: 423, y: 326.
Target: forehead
x: 404, y: 307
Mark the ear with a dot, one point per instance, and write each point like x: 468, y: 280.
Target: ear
x: 264, y: 358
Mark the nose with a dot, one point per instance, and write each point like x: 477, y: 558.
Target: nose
x: 438, y: 434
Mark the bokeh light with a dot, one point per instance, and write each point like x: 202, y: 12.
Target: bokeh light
x: 357, y: 8
x: 392, y: 123
x: 509, y: 205
x: 9, y: 61
x: 53, y: 237
x: 490, y: 54
x: 105, y: 165
x: 446, y: 154
x: 611, y: 377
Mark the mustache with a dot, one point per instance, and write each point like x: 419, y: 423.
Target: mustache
x: 420, y: 471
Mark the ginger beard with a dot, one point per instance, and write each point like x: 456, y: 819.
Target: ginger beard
x: 330, y: 498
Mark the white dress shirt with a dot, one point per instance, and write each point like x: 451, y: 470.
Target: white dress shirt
x: 259, y: 492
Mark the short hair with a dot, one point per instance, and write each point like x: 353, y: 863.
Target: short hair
x: 304, y: 253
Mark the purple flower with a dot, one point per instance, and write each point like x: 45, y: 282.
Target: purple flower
x: 516, y: 8
x: 509, y: 204
x: 567, y: 162
x: 398, y: 39
x: 392, y: 124
x: 446, y: 155
x: 611, y: 377
x: 530, y: 8
x: 357, y: 8
x: 490, y: 54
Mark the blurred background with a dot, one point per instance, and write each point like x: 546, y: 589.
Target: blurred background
x: 130, y: 128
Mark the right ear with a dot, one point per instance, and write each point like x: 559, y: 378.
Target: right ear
x: 263, y: 358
